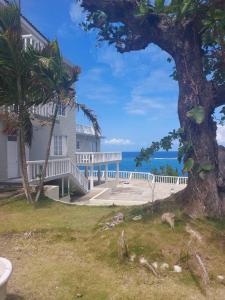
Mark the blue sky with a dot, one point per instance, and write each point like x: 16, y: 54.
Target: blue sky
x: 132, y: 94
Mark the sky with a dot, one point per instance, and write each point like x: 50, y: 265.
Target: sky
x: 132, y: 94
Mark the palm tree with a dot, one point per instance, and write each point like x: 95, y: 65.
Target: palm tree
x: 61, y: 77
x: 20, y: 83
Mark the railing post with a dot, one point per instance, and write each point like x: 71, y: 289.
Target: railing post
x: 153, y: 179
x: 29, y: 171
x: 92, y: 178
x: 117, y: 170
x: 106, y: 172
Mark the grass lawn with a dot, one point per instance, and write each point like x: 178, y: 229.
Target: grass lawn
x: 59, y: 252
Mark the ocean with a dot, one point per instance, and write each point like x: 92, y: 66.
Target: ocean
x: 159, y: 159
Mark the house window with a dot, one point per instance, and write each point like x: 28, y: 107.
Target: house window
x: 78, y: 145
x: 62, y: 110
x: 60, y: 145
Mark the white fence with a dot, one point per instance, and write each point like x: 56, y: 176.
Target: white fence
x: 90, y: 158
x: 56, y: 168
x: 126, y: 175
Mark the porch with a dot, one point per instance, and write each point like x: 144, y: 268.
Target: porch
x: 90, y: 160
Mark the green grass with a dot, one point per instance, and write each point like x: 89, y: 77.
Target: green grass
x: 68, y: 253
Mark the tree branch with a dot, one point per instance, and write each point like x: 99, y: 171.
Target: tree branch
x: 129, y: 30
x: 219, y: 92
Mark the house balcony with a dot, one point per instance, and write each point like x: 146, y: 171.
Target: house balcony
x: 97, y: 158
x: 31, y: 40
x: 45, y: 111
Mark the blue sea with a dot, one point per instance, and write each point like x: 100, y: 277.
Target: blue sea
x: 159, y: 159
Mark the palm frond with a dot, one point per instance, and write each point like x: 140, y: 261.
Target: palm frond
x: 89, y: 113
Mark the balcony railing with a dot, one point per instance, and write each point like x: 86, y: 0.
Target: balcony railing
x: 91, y: 158
x: 46, y: 110
x: 56, y: 168
x: 30, y: 40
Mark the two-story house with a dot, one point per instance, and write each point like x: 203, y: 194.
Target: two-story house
x: 72, y: 145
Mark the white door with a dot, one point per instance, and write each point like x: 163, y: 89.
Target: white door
x: 12, y: 157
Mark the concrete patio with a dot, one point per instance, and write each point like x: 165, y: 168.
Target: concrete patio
x: 127, y: 193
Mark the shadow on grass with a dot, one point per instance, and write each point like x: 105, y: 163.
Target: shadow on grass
x: 14, y: 297
x: 44, y: 202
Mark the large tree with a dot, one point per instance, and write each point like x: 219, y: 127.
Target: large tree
x: 192, y: 33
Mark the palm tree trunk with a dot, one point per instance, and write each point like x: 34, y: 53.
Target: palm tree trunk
x: 22, y: 149
x: 43, y: 174
x: 23, y: 166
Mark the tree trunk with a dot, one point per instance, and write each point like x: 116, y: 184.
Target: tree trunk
x: 202, y: 196
x: 23, y: 165
x: 22, y: 149
x: 43, y: 174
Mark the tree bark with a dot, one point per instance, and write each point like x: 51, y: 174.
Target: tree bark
x: 23, y: 165
x: 22, y: 149
x: 43, y: 173
x: 202, y: 196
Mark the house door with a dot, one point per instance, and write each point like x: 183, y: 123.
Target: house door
x: 12, y: 157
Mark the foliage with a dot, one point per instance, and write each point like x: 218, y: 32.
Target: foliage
x: 208, y: 15
x: 166, y: 144
x: 21, y: 82
x: 165, y: 171
x: 89, y: 113
x: 133, y: 25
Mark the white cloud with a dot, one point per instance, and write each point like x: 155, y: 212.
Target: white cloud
x: 221, y: 134
x: 77, y: 14
x: 155, y: 92
x: 110, y: 56
x: 142, y: 105
x: 157, y: 82
x: 118, y: 141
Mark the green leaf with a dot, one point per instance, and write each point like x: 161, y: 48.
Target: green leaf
x: 159, y: 5
x: 207, y: 167
x: 188, y: 165
x: 186, y: 6
x: 144, y: 8
x: 197, y: 114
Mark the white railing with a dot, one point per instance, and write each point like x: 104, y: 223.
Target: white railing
x: 30, y: 40
x: 46, y: 110
x: 142, y: 176
x: 83, y: 181
x: 90, y: 158
x: 55, y: 168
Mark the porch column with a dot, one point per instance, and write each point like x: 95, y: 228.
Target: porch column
x: 68, y: 186
x: 92, y: 177
x: 106, y: 172
x: 62, y: 186
x: 99, y: 174
x: 86, y: 172
x: 117, y: 170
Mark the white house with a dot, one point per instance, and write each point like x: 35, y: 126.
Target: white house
x: 72, y: 145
